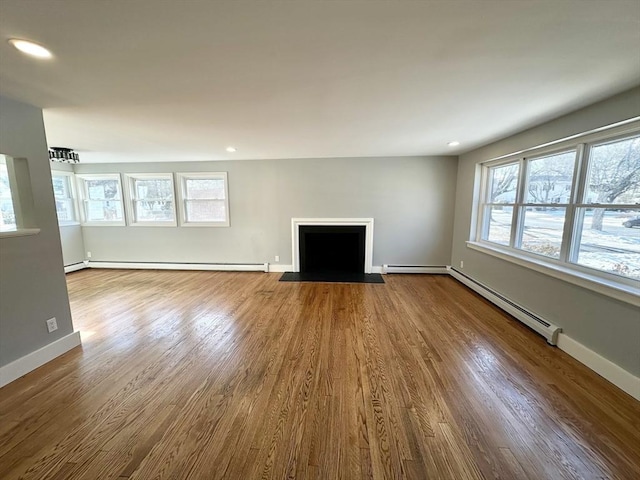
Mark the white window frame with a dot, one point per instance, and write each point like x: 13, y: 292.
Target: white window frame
x: 130, y: 195
x: 565, y: 267
x: 84, y: 199
x: 182, y: 187
x: 71, y: 182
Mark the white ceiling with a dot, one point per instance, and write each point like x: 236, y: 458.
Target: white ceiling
x: 155, y: 80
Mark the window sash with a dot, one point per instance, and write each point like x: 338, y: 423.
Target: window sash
x: 90, y: 204
x: 188, y: 220
x: 574, y: 206
x: 134, y: 200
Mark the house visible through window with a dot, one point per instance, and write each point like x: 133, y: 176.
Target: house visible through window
x: 578, y: 207
x: 204, y: 199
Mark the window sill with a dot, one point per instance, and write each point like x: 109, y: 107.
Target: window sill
x: 69, y: 224
x: 21, y: 232
x: 610, y: 288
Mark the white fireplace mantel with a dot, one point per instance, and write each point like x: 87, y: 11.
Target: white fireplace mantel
x: 368, y: 242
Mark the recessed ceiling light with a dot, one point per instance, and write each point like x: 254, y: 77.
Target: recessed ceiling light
x: 455, y: 143
x: 30, y: 48
x: 231, y: 149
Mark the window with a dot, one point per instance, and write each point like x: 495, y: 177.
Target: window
x: 101, y: 199
x: 204, y: 199
x: 577, y: 207
x: 17, y: 211
x: 7, y: 212
x: 64, y: 193
x: 151, y: 199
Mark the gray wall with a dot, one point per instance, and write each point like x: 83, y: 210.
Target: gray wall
x: 410, y: 198
x: 607, y: 326
x: 70, y: 235
x: 32, y: 281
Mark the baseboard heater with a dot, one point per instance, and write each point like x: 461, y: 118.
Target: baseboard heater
x: 540, y: 325
x: 433, y: 269
x: 231, y: 267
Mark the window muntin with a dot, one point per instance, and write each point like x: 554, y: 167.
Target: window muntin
x: 7, y: 212
x: 601, y: 233
x: 101, y: 199
x: 205, y: 199
x: 64, y: 194
x: 151, y: 199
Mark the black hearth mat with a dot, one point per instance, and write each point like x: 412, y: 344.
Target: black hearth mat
x: 332, y: 277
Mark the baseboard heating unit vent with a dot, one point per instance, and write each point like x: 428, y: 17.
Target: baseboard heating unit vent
x: 232, y: 267
x: 540, y: 325
x: 433, y: 269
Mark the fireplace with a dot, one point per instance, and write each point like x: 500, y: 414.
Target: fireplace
x: 332, y: 248
x: 342, y: 245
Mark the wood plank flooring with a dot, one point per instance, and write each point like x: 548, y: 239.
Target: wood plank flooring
x: 207, y: 375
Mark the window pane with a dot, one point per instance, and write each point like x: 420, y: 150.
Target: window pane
x: 64, y: 208
x: 499, y: 224
x: 103, y: 189
x: 550, y: 178
x: 100, y: 210
x: 7, y: 215
x: 542, y: 230
x: 503, y: 183
x: 154, y: 189
x: 154, y: 211
x: 201, y: 188
x: 205, y: 211
x: 614, y: 172
x: 60, y: 186
x: 610, y: 241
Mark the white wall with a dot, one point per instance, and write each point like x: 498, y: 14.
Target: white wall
x: 32, y: 281
x: 410, y: 198
x: 609, y: 327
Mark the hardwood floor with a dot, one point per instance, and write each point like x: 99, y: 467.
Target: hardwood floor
x: 207, y: 375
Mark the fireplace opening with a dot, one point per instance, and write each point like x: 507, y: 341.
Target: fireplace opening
x: 332, y: 248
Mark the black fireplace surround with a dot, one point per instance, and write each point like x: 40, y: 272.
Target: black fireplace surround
x: 332, y: 248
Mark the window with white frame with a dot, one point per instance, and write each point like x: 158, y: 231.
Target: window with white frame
x: 64, y: 193
x: 204, y: 199
x: 576, y: 206
x: 151, y: 199
x: 101, y: 199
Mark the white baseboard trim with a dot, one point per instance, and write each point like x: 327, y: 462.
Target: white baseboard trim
x: 33, y: 360
x: 230, y: 267
x: 75, y: 267
x: 280, y: 268
x: 429, y: 269
x: 603, y: 367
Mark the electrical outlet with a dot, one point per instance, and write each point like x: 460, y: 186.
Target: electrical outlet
x: 52, y: 324
x: 461, y: 264
x: 88, y: 254
x: 277, y: 258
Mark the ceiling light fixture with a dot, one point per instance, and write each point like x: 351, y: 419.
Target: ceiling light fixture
x: 231, y: 149
x: 64, y: 155
x: 455, y: 143
x: 30, y: 48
